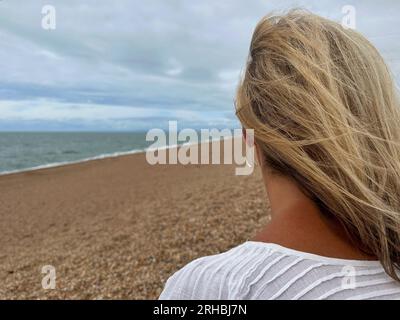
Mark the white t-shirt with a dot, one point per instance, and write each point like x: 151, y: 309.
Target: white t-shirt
x: 256, y: 270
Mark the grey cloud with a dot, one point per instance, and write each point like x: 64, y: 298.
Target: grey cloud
x: 157, y: 54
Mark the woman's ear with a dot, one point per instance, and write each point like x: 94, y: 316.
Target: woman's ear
x: 244, y: 134
x: 249, y: 139
x: 259, y: 156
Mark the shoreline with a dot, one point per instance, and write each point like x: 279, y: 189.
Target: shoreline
x: 102, y: 157
x: 67, y: 163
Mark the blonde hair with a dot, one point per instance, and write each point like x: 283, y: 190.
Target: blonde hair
x: 325, y: 111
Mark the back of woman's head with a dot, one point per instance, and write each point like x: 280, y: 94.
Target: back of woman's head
x: 324, y: 111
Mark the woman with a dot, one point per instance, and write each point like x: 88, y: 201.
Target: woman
x: 326, y: 122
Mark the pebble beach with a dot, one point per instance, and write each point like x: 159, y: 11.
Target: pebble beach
x: 117, y: 228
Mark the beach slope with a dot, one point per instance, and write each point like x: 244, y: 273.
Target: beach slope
x: 119, y: 227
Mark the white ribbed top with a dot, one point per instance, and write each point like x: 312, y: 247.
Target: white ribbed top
x: 256, y: 270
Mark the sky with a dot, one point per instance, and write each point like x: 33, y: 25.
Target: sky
x: 132, y: 65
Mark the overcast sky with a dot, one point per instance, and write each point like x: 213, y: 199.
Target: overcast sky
x: 134, y: 65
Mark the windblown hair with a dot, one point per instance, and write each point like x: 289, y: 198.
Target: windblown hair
x: 325, y: 111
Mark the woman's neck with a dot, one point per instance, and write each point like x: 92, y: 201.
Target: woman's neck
x: 297, y: 223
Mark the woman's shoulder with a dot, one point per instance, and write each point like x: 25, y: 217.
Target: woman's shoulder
x: 219, y: 276
x: 251, y: 270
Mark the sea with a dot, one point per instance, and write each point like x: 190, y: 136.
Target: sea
x: 22, y: 151
x: 25, y: 151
